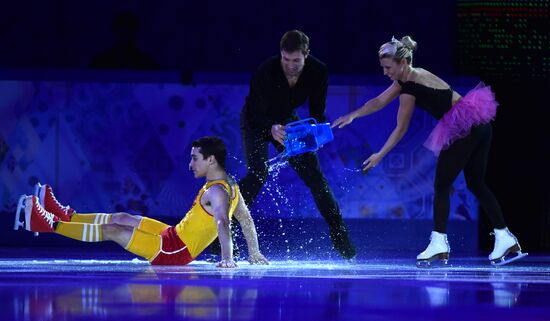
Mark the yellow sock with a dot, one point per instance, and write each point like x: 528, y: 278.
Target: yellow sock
x: 80, y: 231
x: 95, y: 218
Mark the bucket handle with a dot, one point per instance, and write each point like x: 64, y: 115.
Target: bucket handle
x: 299, y: 122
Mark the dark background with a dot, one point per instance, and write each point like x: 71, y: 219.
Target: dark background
x: 189, y: 37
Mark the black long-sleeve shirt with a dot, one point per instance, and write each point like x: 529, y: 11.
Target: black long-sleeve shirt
x: 272, y: 101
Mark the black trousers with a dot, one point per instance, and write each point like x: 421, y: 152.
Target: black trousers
x: 308, y: 169
x: 469, y: 154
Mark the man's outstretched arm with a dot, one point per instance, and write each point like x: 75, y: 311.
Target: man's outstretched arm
x: 242, y: 214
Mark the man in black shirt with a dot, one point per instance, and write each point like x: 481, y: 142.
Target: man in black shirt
x: 279, y: 86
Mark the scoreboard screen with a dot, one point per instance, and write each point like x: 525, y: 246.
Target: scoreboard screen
x: 503, y: 38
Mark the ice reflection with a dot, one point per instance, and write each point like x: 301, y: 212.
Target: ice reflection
x: 166, y: 296
x: 500, y: 294
x: 506, y: 294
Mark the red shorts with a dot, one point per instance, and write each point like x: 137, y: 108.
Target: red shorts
x: 172, y: 249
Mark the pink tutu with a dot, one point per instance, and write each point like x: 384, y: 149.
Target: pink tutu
x: 477, y: 107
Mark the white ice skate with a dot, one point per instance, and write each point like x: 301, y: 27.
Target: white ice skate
x: 505, y: 243
x: 438, y: 249
x: 20, y: 209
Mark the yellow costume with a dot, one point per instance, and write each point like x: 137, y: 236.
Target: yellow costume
x: 195, y: 231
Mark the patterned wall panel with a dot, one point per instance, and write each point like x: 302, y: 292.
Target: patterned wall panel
x: 125, y: 147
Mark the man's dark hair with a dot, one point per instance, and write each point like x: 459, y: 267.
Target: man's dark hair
x: 295, y: 40
x: 212, y: 145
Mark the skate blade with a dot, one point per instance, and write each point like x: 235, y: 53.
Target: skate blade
x: 20, y: 206
x: 423, y: 264
x: 37, y: 187
x: 39, y: 191
x: 434, y: 262
x: 504, y: 261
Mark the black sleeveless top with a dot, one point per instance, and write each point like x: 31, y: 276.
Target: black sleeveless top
x: 435, y: 101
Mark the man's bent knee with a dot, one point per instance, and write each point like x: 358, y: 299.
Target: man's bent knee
x: 123, y: 218
x: 117, y: 233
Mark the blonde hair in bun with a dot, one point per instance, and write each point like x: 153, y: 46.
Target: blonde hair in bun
x: 398, y: 49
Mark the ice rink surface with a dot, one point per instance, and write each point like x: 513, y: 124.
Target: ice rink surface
x: 377, y: 287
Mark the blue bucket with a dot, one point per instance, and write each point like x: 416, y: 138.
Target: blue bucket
x: 306, y: 135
